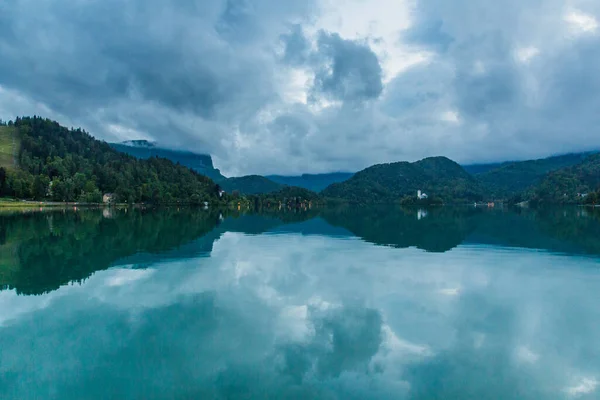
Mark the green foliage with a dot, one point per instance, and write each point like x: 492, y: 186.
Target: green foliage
x: 59, y: 164
x: 571, y: 185
x: 388, y: 183
x: 511, y: 178
x: 9, y: 145
x: 288, y: 196
x: 593, y: 198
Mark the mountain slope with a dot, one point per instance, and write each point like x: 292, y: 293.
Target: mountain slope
x: 142, y: 149
x: 437, y: 176
x: 250, y: 184
x: 314, y: 182
x: 60, y: 164
x: 566, y: 184
x: 510, y: 178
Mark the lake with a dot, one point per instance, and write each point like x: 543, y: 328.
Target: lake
x: 345, y: 303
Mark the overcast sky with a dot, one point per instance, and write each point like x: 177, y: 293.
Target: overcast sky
x: 272, y: 86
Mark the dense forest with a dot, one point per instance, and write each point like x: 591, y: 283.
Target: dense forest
x: 439, y: 177
x: 511, y: 178
x: 576, y: 184
x: 287, y: 196
x: 60, y: 164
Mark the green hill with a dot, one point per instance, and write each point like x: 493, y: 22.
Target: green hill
x: 437, y: 176
x: 510, y: 178
x: 60, y: 164
x: 567, y: 185
x: 250, y: 184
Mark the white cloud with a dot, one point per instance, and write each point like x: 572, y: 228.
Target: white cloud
x: 582, y: 387
x: 581, y: 22
x: 526, y: 54
x: 451, y: 116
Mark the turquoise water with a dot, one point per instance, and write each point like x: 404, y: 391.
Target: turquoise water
x: 332, y: 304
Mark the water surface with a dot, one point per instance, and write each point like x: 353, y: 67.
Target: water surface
x: 344, y: 303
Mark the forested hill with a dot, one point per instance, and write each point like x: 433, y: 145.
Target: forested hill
x: 575, y: 184
x: 437, y: 176
x: 511, y: 178
x: 60, y: 164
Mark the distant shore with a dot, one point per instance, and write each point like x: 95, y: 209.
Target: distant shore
x: 15, y: 205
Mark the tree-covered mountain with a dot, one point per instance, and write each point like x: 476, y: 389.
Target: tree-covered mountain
x: 314, y: 182
x: 568, y: 185
x: 511, y: 178
x: 250, y: 184
x: 60, y: 164
x: 436, y: 176
x: 201, y: 163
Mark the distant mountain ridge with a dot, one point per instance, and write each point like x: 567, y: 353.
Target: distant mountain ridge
x: 314, y: 182
x: 437, y: 176
x: 248, y: 184
x: 143, y: 149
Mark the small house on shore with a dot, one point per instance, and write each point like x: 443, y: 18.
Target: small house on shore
x: 108, y: 198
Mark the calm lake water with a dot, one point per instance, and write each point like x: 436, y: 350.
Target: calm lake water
x: 334, y: 304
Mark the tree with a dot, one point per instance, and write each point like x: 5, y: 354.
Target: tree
x: 39, y: 189
x: 2, y: 182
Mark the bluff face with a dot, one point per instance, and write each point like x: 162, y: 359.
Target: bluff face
x: 142, y: 149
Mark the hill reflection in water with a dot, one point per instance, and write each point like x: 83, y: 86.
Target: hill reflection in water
x: 41, y: 251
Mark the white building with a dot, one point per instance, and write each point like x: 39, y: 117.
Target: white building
x: 421, y: 195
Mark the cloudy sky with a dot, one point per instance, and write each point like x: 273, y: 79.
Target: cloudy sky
x: 271, y: 86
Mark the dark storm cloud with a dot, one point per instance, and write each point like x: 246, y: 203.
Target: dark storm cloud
x: 94, y: 54
x: 349, y: 70
x: 188, y: 60
x: 509, y: 106
x: 297, y: 46
x: 498, y: 80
